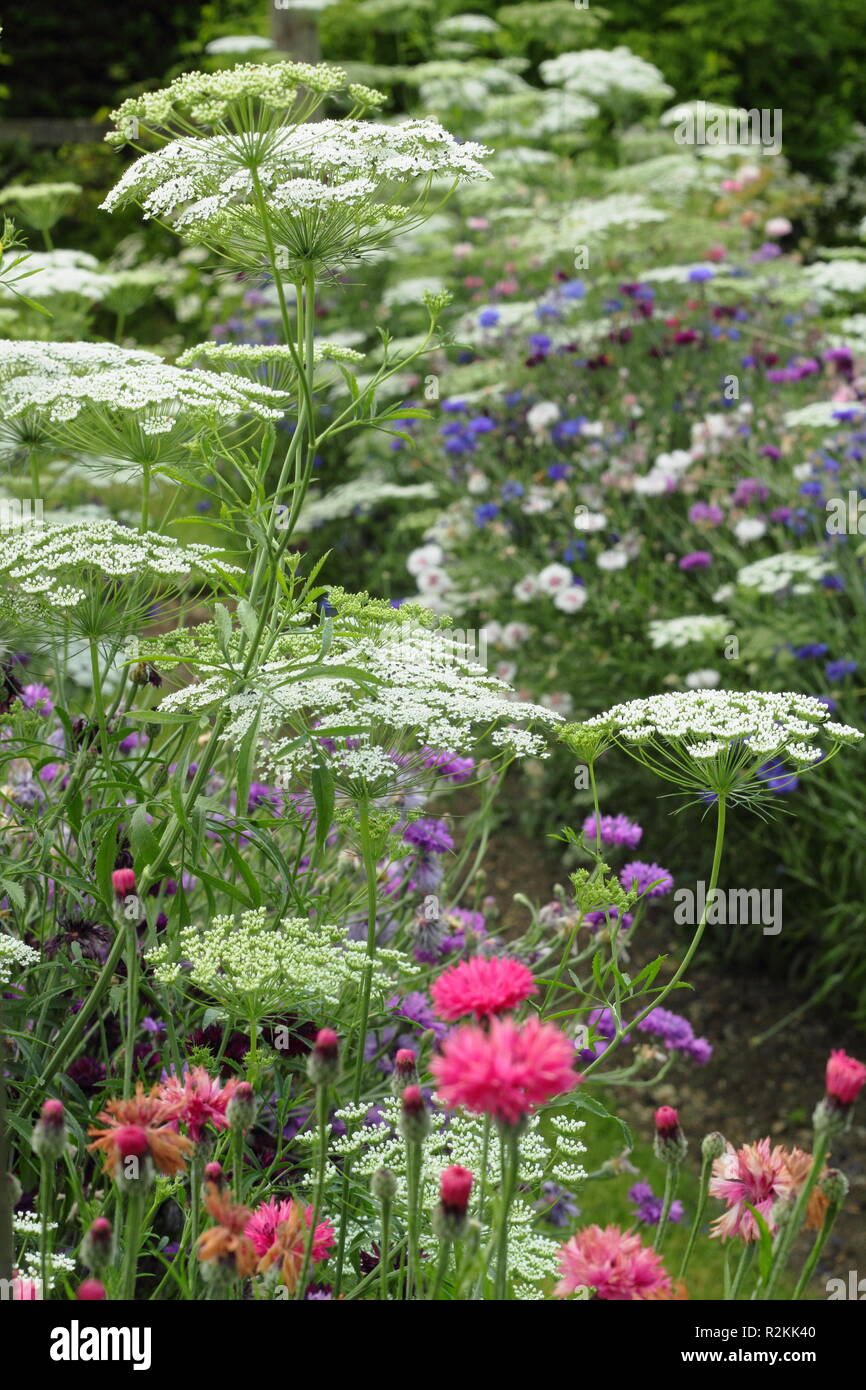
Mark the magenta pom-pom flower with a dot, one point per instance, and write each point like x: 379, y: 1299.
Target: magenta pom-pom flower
x: 505, y: 1071
x: 482, y: 986
x: 845, y: 1077
x: 261, y: 1228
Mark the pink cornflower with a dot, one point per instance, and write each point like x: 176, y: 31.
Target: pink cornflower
x: 505, y: 1072
x: 757, y: 1174
x: 482, y: 986
x: 200, y: 1100
x: 262, y: 1227
x: 614, y: 1263
x: 845, y: 1077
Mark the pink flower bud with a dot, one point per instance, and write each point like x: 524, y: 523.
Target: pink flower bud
x: 131, y: 1141
x: 667, y: 1121
x: 123, y: 882
x: 323, y: 1062
x: 455, y: 1185
x: 91, y: 1291
x: 845, y: 1077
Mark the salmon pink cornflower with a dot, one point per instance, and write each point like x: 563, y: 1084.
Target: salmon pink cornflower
x: 755, y: 1174
x: 199, y: 1099
x: 615, y: 1264
x: 506, y: 1071
x: 483, y: 986
x: 262, y: 1226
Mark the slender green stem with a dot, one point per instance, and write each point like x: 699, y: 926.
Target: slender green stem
x: 441, y: 1267
x: 46, y: 1195
x: 510, y: 1151
x: 134, y: 1217
x: 413, y: 1202
x: 384, y: 1248
x: 322, y: 1093
x: 131, y: 1004
x: 671, y: 1176
x: 706, y: 1170
x: 814, y: 1254
x: 794, y: 1222
x: 745, y: 1264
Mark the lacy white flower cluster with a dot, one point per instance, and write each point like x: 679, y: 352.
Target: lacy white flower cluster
x: 605, y: 74
x: 30, y: 356
x: 273, y: 966
x: 15, y: 956
x: 459, y: 1138
x: 57, y: 563
x: 823, y: 415
x: 358, y: 497
x: 679, y: 632
x: 151, y: 393
x: 422, y: 691
x: 797, y: 570
x: 206, y: 99
x: 839, y: 277
x: 247, y: 355
x: 710, y: 722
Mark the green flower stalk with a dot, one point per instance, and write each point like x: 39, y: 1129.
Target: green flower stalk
x: 323, y: 1067
x: 712, y: 1147
x: 48, y: 1141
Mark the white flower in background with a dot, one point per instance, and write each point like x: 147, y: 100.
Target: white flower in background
x: 505, y: 671
x: 801, y: 472
x: 514, y: 635
x: 571, y: 600
x: 694, y: 627
x: 704, y: 679
x: 592, y: 429
x: 823, y: 415
x: 613, y: 559
x: 432, y: 580
x: 559, y: 701
x: 541, y: 416
x: 652, y: 484
x: 606, y: 75
x: 585, y: 520
x: 15, y: 956
x: 477, y: 483
x: 52, y: 273
x: 723, y: 593
x: 798, y: 570
x: 777, y: 227
x: 424, y: 558
x: 25, y: 356
x: 237, y: 43
x: 553, y: 578
x: 749, y: 529
x: 839, y: 277
x: 536, y: 502
x: 525, y: 588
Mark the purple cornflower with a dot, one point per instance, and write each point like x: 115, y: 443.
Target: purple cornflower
x: 431, y: 836
x: 615, y: 830
x: 37, y: 697
x: 557, y: 1205
x: 706, y: 512
x: 777, y: 776
x: 696, y: 560
x: 452, y: 768
x: 640, y: 876
x: 648, y: 1207
x: 838, y: 670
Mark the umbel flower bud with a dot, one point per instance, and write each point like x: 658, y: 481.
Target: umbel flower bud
x: 713, y: 1145
x: 383, y: 1185
x: 670, y: 1142
x: 450, y: 1216
x: 323, y: 1063
x: 414, y: 1119
x: 97, y: 1247
x: 48, y: 1139
x: 241, y: 1109
x: 405, y: 1071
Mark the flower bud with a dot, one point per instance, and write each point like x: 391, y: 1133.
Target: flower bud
x: 241, y: 1109
x: 713, y: 1145
x: 48, y: 1139
x: 383, y: 1185
x: 97, y: 1248
x: 323, y: 1063
x: 834, y: 1186
x: 213, y: 1173
x: 670, y: 1142
x: 405, y: 1071
x: 414, y: 1119
x: 450, y: 1217
x: 91, y: 1291
x: 845, y: 1077
x: 123, y: 882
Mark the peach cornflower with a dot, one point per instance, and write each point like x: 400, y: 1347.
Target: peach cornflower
x: 139, y: 1127
x: 200, y: 1100
x: 757, y: 1174
x: 483, y: 986
x: 615, y: 1264
x: 507, y: 1071
x: 288, y: 1232
x: 799, y: 1165
x: 226, y: 1250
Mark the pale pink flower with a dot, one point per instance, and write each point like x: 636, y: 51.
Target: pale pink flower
x: 615, y: 1264
x: 755, y: 1174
